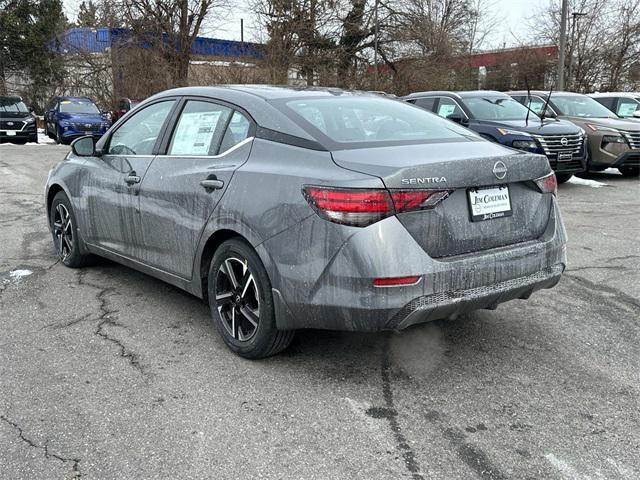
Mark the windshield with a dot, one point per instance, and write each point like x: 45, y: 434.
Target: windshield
x: 368, y: 119
x: 12, y: 105
x: 581, y: 106
x: 78, y: 106
x: 497, y: 108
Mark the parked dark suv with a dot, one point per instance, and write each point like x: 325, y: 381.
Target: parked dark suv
x: 17, y: 122
x: 499, y: 118
x: 124, y: 105
x: 67, y: 118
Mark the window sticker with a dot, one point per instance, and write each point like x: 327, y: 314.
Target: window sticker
x: 446, y: 110
x: 626, y: 109
x: 194, y: 133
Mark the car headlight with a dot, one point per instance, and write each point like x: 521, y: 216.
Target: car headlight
x: 525, y: 144
x: 614, y: 144
x: 508, y: 131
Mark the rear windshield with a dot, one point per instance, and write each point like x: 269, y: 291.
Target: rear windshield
x: 497, y: 108
x: 581, y: 106
x: 78, y: 106
x: 8, y: 104
x: 356, y: 121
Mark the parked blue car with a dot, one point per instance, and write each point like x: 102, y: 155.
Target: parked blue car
x: 67, y: 118
x: 499, y: 118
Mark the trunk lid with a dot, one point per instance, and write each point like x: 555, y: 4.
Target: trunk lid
x: 447, y: 229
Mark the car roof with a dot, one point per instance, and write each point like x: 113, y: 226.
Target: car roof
x: 268, y: 92
x: 545, y: 93
x: 65, y: 97
x: 459, y: 94
x: 615, y: 94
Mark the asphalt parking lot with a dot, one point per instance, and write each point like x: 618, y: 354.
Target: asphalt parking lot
x: 106, y: 373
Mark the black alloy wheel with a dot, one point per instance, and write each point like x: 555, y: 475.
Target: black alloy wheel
x: 241, y: 302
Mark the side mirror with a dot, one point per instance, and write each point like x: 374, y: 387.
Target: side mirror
x: 548, y: 113
x: 84, y: 146
x: 456, y: 117
x: 636, y: 114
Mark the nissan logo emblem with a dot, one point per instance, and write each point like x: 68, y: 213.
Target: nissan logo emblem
x: 564, y: 141
x: 10, y: 124
x: 500, y: 170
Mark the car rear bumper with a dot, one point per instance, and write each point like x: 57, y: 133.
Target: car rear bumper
x: 344, y: 298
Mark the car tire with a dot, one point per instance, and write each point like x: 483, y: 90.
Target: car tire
x: 64, y: 229
x: 241, y: 302
x: 563, y: 177
x: 629, y: 171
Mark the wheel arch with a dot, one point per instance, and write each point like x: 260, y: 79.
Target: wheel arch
x: 54, y: 189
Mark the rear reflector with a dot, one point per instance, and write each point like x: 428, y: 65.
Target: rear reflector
x: 360, y: 207
x: 396, y: 281
x: 547, y: 184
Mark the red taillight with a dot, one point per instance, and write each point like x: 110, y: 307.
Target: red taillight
x: 361, y: 207
x: 396, y: 281
x: 547, y: 184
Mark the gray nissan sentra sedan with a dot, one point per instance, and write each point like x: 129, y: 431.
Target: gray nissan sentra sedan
x: 309, y: 208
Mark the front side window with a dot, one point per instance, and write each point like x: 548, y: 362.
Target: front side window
x: 627, y: 106
x: 497, y: 108
x: 352, y: 120
x: 138, y: 134
x: 78, y: 106
x: 447, y: 107
x: 581, y: 106
x: 199, y: 128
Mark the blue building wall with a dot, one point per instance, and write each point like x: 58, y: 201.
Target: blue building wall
x: 98, y: 40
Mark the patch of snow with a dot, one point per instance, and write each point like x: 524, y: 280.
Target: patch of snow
x: 566, y: 471
x: 18, y: 274
x: 586, y: 182
x: 612, y: 171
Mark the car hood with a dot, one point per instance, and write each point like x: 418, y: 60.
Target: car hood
x: 82, y: 117
x: 535, y: 127
x: 617, y: 123
x: 443, y: 164
x: 19, y: 116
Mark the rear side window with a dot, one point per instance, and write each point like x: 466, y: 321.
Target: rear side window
x: 138, y: 134
x: 199, y: 129
x: 426, y: 103
x: 357, y: 120
x: 237, y: 131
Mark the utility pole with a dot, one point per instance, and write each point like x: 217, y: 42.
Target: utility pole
x: 574, y: 18
x: 375, y: 44
x: 563, y: 45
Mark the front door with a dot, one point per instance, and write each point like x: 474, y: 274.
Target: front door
x: 182, y: 188
x: 113, y: 182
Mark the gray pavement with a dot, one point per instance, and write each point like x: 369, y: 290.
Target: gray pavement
x: 106, y: 373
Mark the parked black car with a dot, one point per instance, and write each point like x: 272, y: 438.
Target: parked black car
x: 17, y: 122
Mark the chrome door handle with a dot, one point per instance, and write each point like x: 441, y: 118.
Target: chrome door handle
x: 210, y: 184
x: 131, y: 179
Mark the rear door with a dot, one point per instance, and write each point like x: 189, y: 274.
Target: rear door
x: 208, y: 142
x: 113, y: 180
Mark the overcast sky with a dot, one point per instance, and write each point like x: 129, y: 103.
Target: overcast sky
x: 514, y: 13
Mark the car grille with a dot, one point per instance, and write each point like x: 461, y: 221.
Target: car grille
x: 86, y: 127
x: 554, y: 144
x: 15, y: 125
x: 633, y: 138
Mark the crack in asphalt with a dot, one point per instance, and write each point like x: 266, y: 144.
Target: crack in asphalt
x: 391, y: 414
x: 106, y: 320
x: 45, y: 448
x: 596, y: 289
